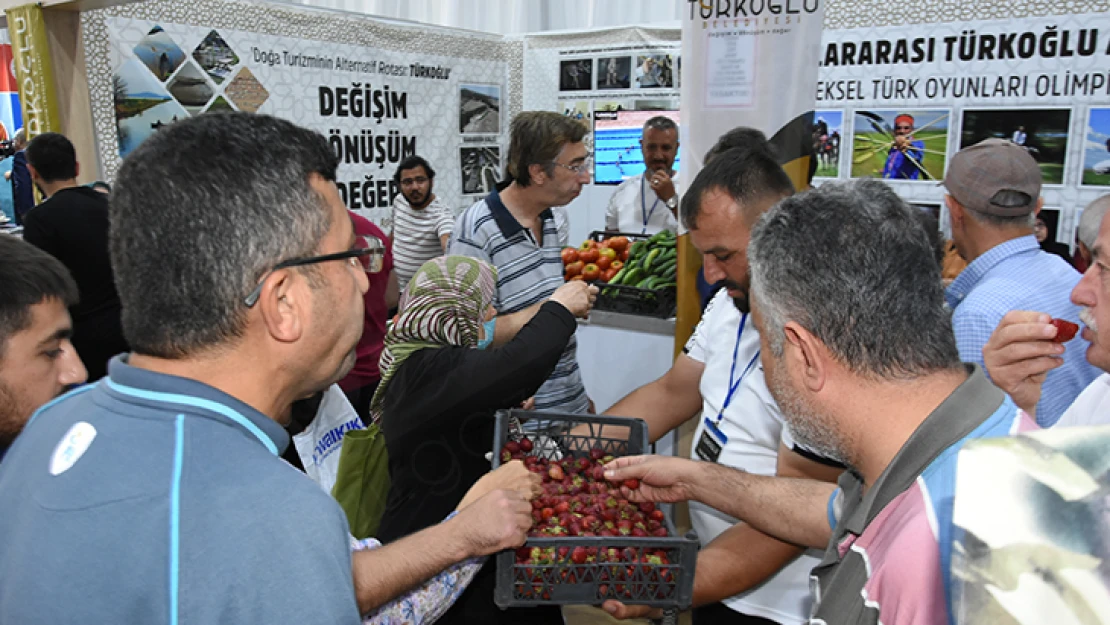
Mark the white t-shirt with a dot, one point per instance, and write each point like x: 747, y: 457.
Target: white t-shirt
x: 634, y: 199
x: 416, y: 235
x: 754, y: 427
x: 1092, y: 407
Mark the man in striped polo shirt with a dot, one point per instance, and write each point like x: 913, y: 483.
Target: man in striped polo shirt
x: 421, y: 221
x: 859, y: 354
x: 516, y: 230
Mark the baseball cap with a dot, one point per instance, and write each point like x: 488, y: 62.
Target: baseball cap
x: 977, y: 175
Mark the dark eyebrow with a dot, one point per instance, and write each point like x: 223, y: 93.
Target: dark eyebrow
x: 59, y: 335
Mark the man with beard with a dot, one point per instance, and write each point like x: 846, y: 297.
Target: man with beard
x: 422, y: 223
x: 37, y: 360
x: 648, y: 203
x: 904, y: 161
x: 157, y: 495
x: 743, y: 575
x: 859, y: 353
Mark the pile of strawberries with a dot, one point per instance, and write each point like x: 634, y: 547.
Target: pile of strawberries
x: 577, y: 501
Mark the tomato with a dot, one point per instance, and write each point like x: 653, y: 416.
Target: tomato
x: 617, y: 265
x: 569, y: 255
x: 578, y: 277
x: 624, y: 255
x: 619, y: 244
x: 589, y: 256
x: 608, y: 274
x: 608, y: 252
x: 588, y: 245
x: 591, y: 272
x: 604, y: 263
x: 574, y: 268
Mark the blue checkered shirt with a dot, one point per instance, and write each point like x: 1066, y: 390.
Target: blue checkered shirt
x: 1017, y: 275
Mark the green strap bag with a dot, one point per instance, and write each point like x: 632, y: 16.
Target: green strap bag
x: 362, y: 480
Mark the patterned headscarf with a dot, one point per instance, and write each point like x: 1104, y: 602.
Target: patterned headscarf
x: 442, y: 305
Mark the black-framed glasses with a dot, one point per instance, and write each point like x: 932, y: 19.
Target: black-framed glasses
x: 376, y: 260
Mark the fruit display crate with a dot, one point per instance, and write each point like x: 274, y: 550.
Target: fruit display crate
x: 629, y: 300
x: 655, y: 571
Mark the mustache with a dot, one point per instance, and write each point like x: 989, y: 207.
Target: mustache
x: 1088, y: 319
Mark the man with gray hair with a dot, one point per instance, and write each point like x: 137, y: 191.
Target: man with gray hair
x: 858, y: 353
x: 157, y: 495
x: 1088, y: 231
x: 648, y: 203
x: 993, y: 197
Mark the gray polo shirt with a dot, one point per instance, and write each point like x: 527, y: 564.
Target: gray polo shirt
x: 148, y: 498
x: 528, y: 271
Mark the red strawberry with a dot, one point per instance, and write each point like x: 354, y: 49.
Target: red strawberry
x: 660, y: 532
x: 646, y: 507
x: 512, y: 447
x: 597, y: 453
x: 632, y: 484
x: 526, y: 445
x: 562, y: 507
x: 555, y: 472
x: 656, y: 515
x: 579, y: 555
x: 547, y: 513
x: 1065, y: 330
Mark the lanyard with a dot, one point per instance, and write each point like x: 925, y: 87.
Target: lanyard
x: 643, y: 206
x: 733, y: 383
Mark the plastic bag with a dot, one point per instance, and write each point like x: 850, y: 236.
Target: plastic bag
x: 320, y: 443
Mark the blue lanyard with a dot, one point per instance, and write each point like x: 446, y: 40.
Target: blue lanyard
x: 643, y: 205
x: 733, y: 383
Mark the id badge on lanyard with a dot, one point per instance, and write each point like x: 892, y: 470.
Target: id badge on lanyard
x: 713, y: 440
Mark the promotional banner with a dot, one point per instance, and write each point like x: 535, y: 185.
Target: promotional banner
x: 376, y: 107
x: 33, y: 70
x: 933, y: 89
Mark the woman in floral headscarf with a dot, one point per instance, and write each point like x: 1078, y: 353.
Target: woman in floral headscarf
x: 441, y: 384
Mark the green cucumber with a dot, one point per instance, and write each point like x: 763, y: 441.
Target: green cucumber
x: 652, y: 255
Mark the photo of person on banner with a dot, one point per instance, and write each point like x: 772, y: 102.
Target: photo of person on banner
x: 900, y: 145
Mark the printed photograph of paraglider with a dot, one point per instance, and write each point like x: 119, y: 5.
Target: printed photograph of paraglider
x: 1042, y: 132
x: 1096, y: 149
x: 905, y: 145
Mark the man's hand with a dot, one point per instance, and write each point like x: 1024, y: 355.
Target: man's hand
x: 662, y: 184
x: 499, y: 520
x: 662, y: 479
x: 622, y: 612
x: 1019, y: 355
x: 902, y: 142
x: 509, y: 476
x: 577, y: 297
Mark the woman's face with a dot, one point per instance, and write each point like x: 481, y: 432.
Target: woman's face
x: 1040, y: 230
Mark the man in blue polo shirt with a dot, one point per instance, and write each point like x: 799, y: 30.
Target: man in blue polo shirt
x: 157, y: 495
x: 994, y: 190
x: 516, y: 230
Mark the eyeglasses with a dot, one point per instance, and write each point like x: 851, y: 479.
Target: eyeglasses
x: 584, y: 168
x: 376, y: 260
x: 408, y: 182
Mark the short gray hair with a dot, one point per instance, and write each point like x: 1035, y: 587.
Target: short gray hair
x: 661, y: 122
x: 1091, y: 219
x: 851, y: 263
x: 201, y: 210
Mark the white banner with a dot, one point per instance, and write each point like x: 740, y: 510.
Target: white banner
x: 750, y: 64
x: 375, y: 107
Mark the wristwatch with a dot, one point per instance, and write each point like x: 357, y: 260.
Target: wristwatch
x: 673, y: 202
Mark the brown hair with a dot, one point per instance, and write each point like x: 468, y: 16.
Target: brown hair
x: 536, y: 137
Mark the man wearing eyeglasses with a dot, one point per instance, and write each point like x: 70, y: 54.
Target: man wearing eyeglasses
x: 422, y: 223
x: 516, y: 230
x: 903, y: 162
x: 157, y: 495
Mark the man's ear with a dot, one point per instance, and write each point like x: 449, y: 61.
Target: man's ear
x: 538, y: 174
x: 284, y: 306
x: 1040, y: 205
x: 808, y: 354
x: 955, y: 210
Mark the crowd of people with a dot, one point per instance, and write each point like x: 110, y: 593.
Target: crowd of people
x: 832, y: 379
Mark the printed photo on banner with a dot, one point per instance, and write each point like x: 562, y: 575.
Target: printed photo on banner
x: 246, y: 92
x: 654, y: 71
x: 190, y: 88
x: 215, y: 57
x: 576, y: 75
x: 617, y: 153
x: 481, y: 169
x: 665, y: 104
x: 828, y: 128
x: 578, y: 110
x: 159, y: 53
x: 142, y: 105
x: 929, y: 208
x: 1046, y: 228
x: 479, y: 109
x: 1042, y: 132
x: 900, y: 144
x: 1096, y: 148
x: 1032, y: 539
x: 614, y: 72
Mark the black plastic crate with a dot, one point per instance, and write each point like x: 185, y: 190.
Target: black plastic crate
x: 630, y: 572
x: 621, y: 298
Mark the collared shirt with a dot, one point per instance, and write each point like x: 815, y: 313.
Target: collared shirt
x: 754, y: 427
x: 1092, y: 407
x: 635, y: 208
x: 528, y: 272
x: 1018, y: 275
x: 889, y: 557
x: 159, y: 499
